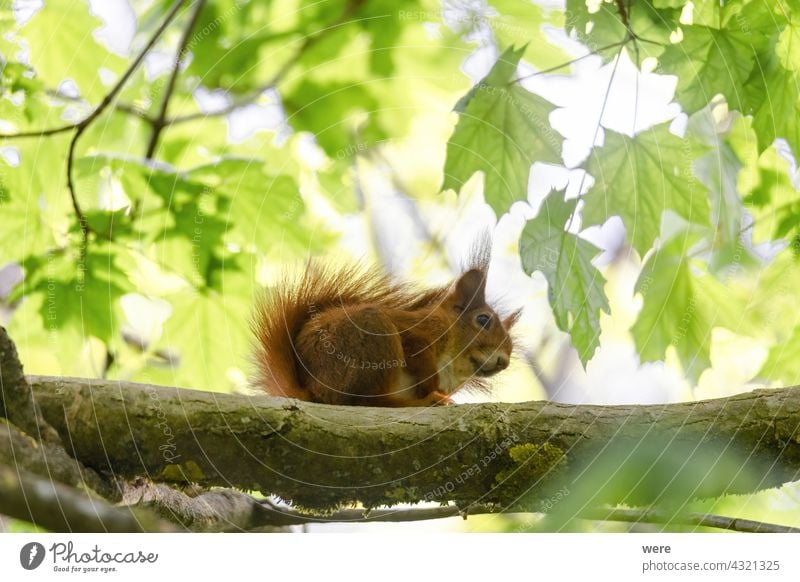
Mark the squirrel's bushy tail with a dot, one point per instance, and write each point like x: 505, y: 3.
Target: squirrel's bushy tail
x: 285, y: 308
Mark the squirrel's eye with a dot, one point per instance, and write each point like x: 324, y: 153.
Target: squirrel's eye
x: 483, y: 320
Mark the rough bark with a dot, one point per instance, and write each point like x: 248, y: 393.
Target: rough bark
x: 17, y: 449
x: 26, y: 440
x: 16, y: 401
x: 208, y: 511
x: 516, y: 455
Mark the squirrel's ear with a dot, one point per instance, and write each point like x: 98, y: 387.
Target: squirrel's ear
x: 470, y: 290
x: 509, y: 321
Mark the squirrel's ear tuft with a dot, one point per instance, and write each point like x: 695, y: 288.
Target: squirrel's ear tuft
x: 470, y: 290
x: 509, y: 321
x: 480, y: 252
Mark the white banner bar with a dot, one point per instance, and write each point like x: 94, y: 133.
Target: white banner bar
x: 402, y: 557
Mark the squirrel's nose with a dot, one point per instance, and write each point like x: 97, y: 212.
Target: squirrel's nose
x: 501, y: 363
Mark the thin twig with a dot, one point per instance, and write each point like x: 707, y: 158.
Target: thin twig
x: 39, y: 132
x: 160, y: 119
x: 136, y: 112
x: 119, y: 106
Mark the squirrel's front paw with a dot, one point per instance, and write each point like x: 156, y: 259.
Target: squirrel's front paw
x: 437, y: 398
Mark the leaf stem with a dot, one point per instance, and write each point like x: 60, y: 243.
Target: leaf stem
x: 596, y: 133
x: 568, y: 63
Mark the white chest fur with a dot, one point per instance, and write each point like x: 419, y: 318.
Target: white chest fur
x: 448, y: 381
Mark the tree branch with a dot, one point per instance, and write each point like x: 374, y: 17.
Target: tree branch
x: 230, y: 510
x: 693, y: 519
x: 160, y: 119
x: 514, y: 455
x: 48, y: 460
x: 27, y: 441
x: 209, y: 511
x: 62, y: 508
x: 289, y: 516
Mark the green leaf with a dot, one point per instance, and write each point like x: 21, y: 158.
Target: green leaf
x: 339, y: 114
x: 682, y: 304
x: 766, y: 187
x: 502, y: 130
x: 62, y: 46
x: 233, y: 49
x: 575, y: 286
x: 707, y: 13
x: 81, y: 291
x: 47, y: 348
x: 669, y: 3
x: 718, y: 169
x: 788, y: 47
x: 710, y: 61
x: 603, y: 26
x: 263, y: 211
x: 126, y: 198
x: 34, y: 203
x: 775, y: 203
x: 638, y: 178
x: 209, y: 332
x: 772, y: 304
x: 773, y: 97
x: 522, y: 23
x: 194, y: 244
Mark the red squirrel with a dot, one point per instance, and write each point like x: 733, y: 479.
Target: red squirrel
x: 349, y: 336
